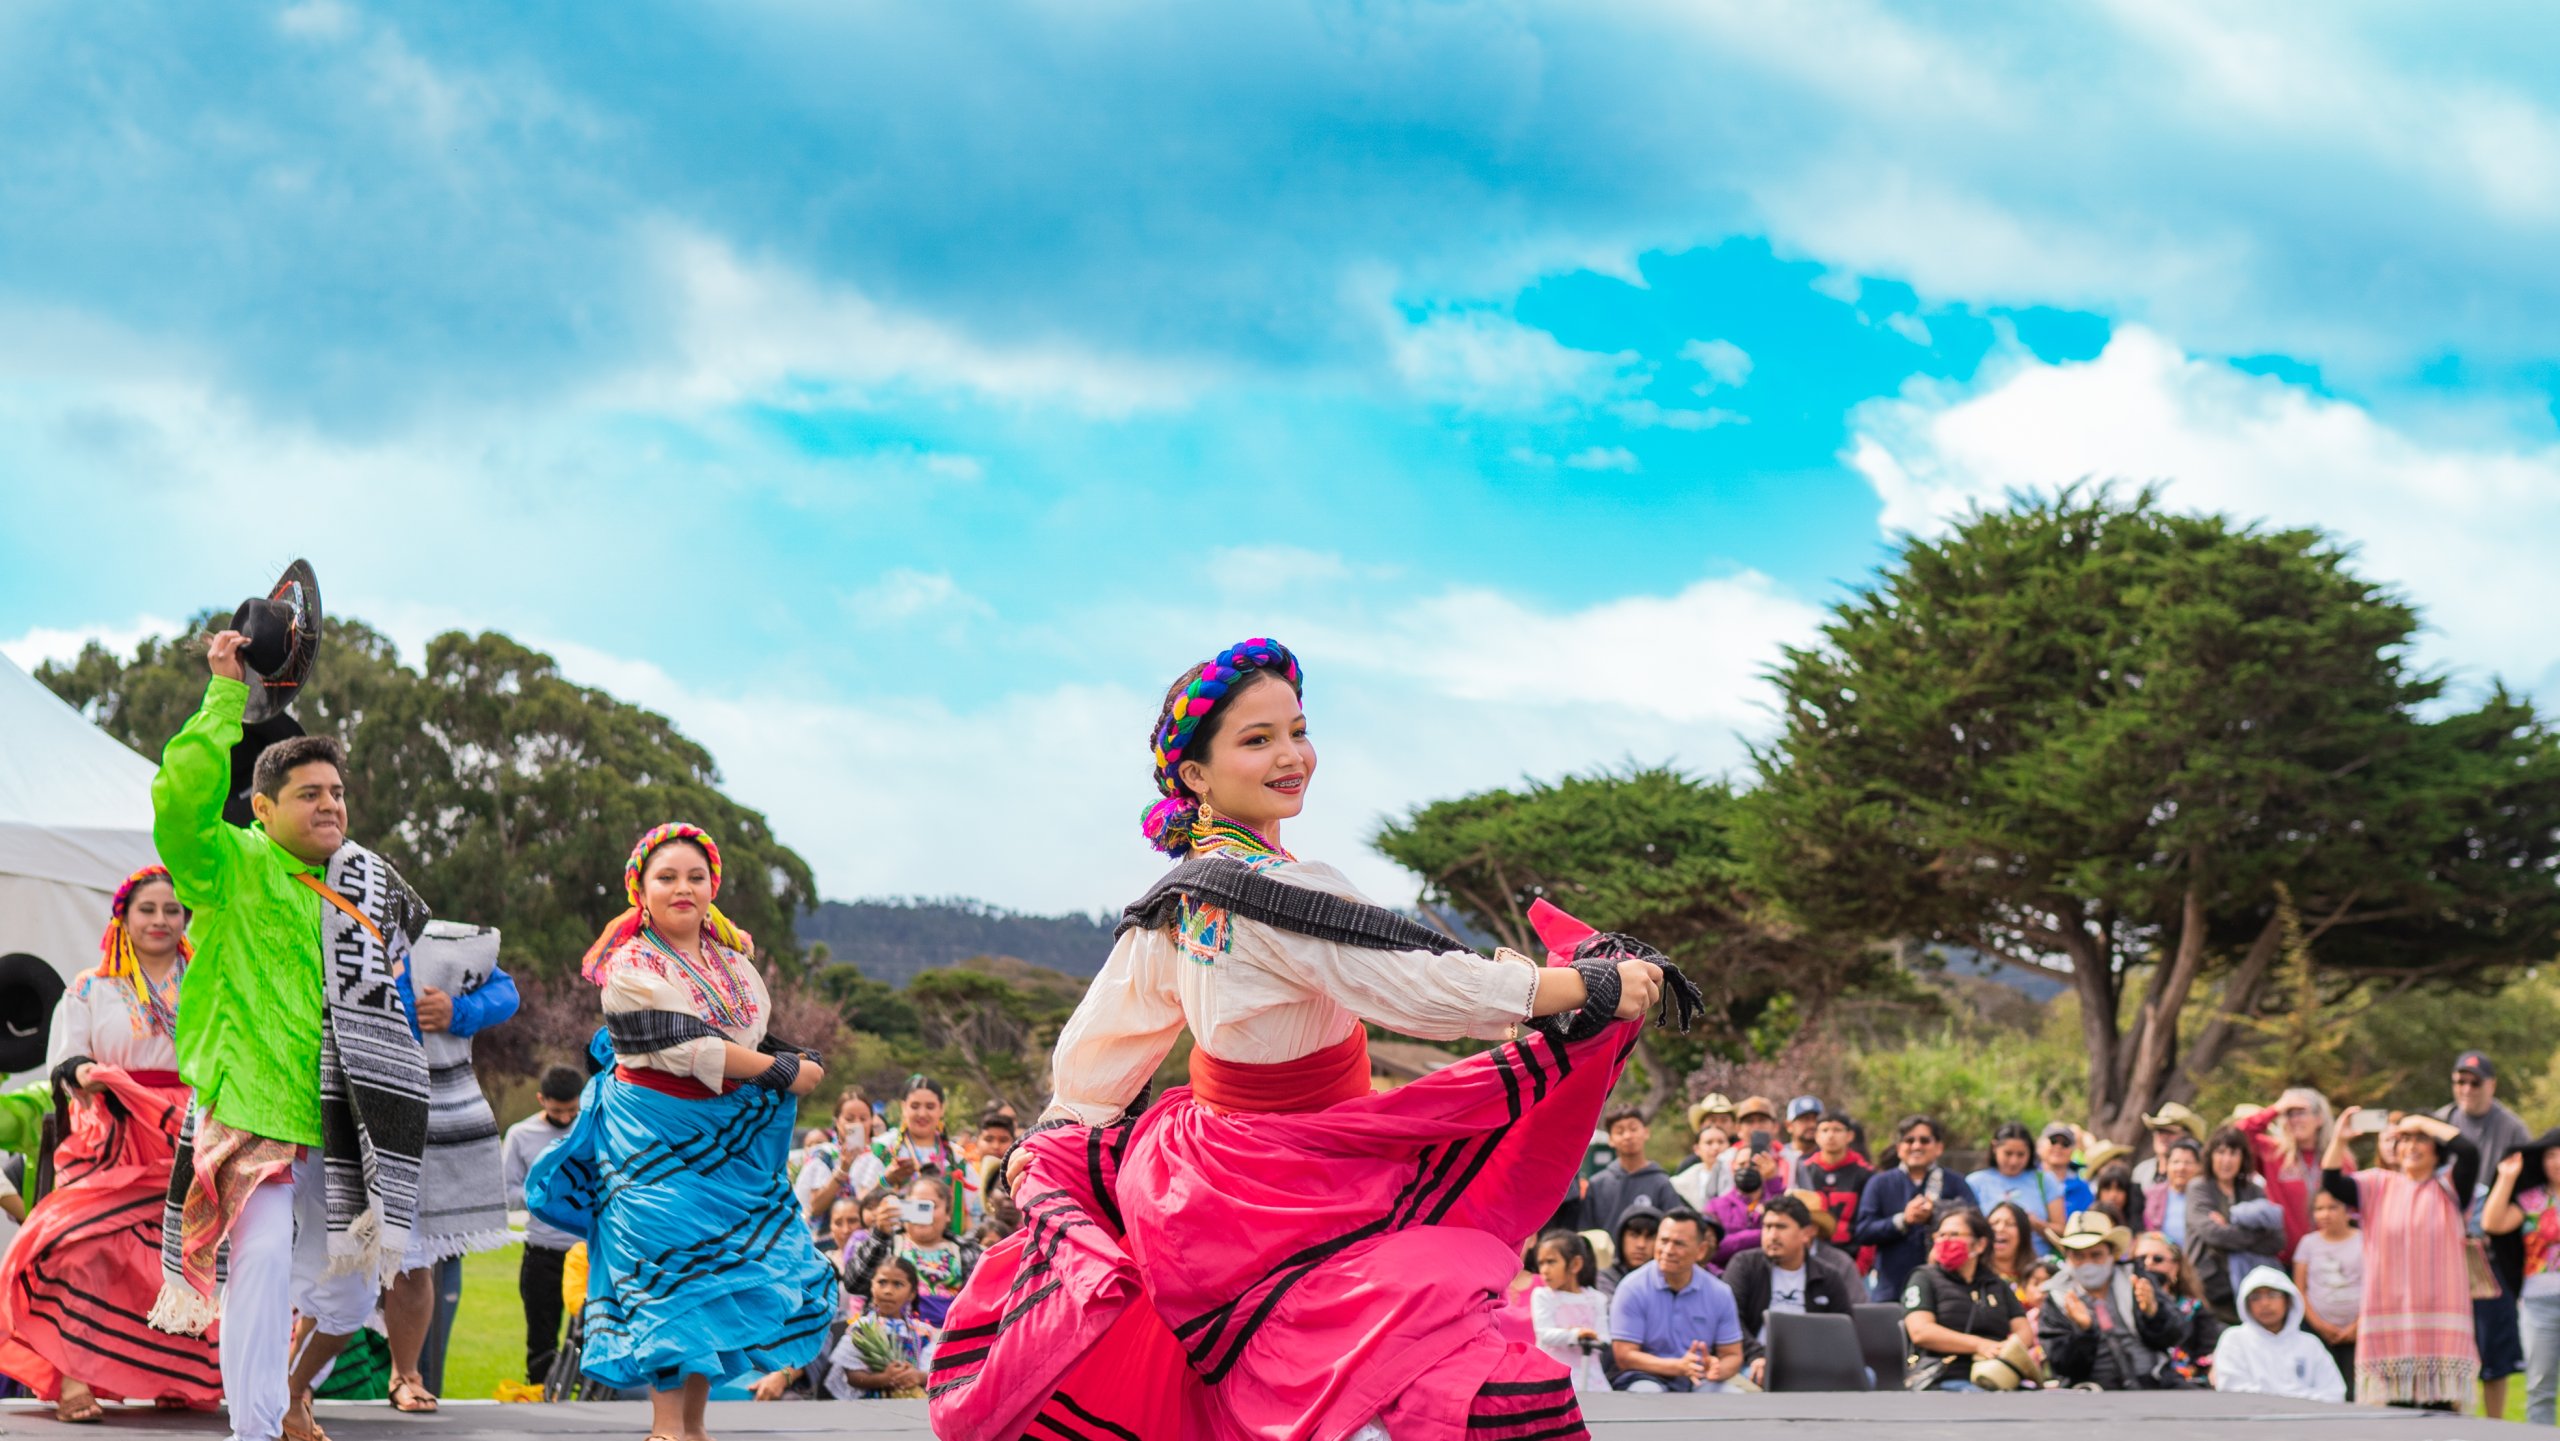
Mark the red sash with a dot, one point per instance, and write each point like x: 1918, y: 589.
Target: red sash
x: 666, y: 1082
x: 1339, y: 1072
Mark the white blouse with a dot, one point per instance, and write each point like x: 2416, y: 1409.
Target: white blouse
x: 1258, y: 995
x: 96, y: 1019
x: 632, y: 986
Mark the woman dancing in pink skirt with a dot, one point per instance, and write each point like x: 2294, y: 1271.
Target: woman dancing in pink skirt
x: 1276, y: 1250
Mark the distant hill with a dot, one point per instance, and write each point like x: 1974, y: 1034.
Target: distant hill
x: 893, y: 940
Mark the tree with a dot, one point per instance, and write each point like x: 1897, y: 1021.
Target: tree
x: 2092, y: 735
x: 1649, y: 852
x: 506, y: 794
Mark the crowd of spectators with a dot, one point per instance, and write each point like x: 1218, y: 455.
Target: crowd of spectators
x: 2396, y: 1259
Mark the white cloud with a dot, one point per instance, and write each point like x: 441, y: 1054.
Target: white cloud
x: 1465, y: 689
x: 1481, y: 359
x: 34, y: 647
x: 2463, y: 530
x: 1605, y: 457
x: 752, y: 329
x: 1724, y: 362
x: 1646, y: 415
x: 904, y: 595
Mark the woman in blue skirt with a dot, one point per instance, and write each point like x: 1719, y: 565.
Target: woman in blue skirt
x: 699, y: 1268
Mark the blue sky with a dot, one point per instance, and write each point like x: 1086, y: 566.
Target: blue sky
x: 899, y: 395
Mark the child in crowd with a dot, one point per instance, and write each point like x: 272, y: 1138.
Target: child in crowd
x: 2269, y: 1353
x: 887, y: 1352
x: 2328, y: 1268
x: 1569, y: 1314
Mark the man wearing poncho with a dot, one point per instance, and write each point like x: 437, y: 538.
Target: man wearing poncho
x: 302, y: 1149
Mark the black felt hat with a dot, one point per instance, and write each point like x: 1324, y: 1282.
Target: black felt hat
x: 283, y: 627
x: 29, y: 990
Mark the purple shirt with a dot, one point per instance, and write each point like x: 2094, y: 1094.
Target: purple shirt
x: 1663, y: 1322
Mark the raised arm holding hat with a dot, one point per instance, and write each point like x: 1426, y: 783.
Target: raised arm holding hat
x: 270, y: 1040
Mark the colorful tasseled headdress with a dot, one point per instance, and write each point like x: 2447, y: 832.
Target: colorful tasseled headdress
x: 628, y: 924
x: 1168, y: 823
x: 117, y: 962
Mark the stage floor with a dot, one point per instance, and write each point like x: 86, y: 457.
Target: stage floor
x: 2194, y: 1415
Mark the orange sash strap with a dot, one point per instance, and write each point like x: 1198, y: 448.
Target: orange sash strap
x: 329, y: 893
x: 1339, y: 1072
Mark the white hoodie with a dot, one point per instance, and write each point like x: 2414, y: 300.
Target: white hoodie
x: 2287, y: 1361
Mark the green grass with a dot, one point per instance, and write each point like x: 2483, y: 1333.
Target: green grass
x: 488, y: 1331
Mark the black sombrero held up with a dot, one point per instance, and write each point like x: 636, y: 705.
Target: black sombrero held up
x: 283, y: 628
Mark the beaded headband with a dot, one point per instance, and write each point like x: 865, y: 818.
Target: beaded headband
x: 671, y: 831
x: 1216, y: 681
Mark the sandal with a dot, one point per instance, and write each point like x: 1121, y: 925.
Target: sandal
x: 84, y: 1412
x: 412, y: 1397
x: 298, y: 1433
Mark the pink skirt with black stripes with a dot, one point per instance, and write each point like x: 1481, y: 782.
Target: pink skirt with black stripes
x: 1209, y: 1273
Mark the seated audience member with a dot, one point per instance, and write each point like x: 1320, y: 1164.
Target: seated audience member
x: 1756, y: 1178
x: 1634, y: 1241
x: 2229, y: 1217
x: 1792, y: 1269
x: 887, y: 1352
x: 1804, y: 1113
x: 1672, y: 1324
x: 1568, y: 1314
x: 2104, y: 1324
x: 1954, y: 1310
x: 1711, y: 1174
x: 1836, y: 1173
x: 2164, y: 1206
x: 2065, y: 1190
x: 2269, y: 1353
x: 1615, y: 1189
x: 844, y: 1222
x: 2013, y: 1248
x: 1898, y: 1214
x: 2168, y: 1126
x: 2165, y: 1263
x: 2114, y: 1192
x: 941, y: 1261
x: 2012, y: 1175
x: 2328, y: 1274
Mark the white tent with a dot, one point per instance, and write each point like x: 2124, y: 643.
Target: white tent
x: 75, y: 820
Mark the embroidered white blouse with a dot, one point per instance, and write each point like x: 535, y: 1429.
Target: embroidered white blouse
x: 1258, y: 995
x: 97, y: 1018
x: 637, y: 979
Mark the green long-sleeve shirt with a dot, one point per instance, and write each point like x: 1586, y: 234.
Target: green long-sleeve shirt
x: 249, y: 1013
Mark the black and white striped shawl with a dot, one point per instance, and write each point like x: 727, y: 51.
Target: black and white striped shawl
x: 1216, y: 881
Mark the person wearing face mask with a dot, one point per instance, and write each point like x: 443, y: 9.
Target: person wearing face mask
x: 2104, y: 1324
x: 1956, y: 1312
x: 1737, y: 1212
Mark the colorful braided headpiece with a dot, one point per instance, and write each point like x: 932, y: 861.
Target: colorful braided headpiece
x: 628, y: 924
x: 1167, y: 823
x: 117, y: 962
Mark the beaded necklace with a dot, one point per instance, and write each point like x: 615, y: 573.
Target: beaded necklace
x: 159, y: 1001
x: 725, y: 1000
x: 1217, y: 834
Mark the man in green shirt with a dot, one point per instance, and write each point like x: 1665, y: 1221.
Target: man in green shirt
x: 252, y: 1010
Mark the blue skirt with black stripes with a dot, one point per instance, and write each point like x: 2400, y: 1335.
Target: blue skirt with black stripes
x: 698, y: 1263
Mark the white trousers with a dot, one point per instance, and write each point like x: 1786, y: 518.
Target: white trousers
x: 280, y: 1262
